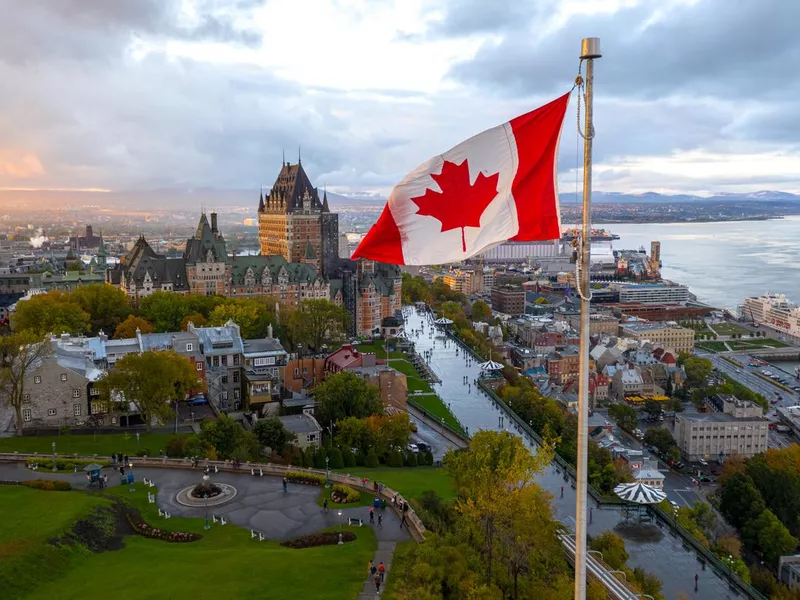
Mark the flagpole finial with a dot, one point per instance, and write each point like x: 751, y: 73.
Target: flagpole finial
x: 590, y: 48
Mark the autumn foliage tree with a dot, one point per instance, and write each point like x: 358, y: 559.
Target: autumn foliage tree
x: 129, y: 327
x: 151, y: 381
x: 53, y: 312
x: 20, y: 353
x: 317, y: 323
x: 106, y: 305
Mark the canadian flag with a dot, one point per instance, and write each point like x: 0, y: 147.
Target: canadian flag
x: 498, y: 185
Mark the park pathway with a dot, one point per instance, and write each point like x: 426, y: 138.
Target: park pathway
x: 385, y: 553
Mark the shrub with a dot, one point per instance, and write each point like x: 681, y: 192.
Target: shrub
x: 306, y: 458
x: 411, y: 459
x: 50, y: 485
x: 371, y: 460
x: 318, y: 539
x: 349, y: 458
x: 319, y: 458
x: 361, y: 459
x: 143, y: 452
x: 427, y: 457
x: 65, y: 464
x: 155, y: 533
x: 177, y: 446
x: 337, y: 460
x: 344, y: 494
x: 395, y: 459
x: 305, y: 478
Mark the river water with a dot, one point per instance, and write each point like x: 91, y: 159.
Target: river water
x: 650, y: 546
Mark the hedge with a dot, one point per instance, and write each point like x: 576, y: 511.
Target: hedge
x: 49, y: 485
x: 65, y: 464
x: 344, y: 494
x: 305, y: 478
x: 155, y: 533
x: 319, y: 539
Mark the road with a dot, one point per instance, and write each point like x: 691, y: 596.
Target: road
x: 747, y: 376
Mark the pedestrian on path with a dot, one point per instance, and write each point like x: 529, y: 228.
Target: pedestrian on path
x: 325, y: 505
x: 372, y: 515
x: 380, y: 521
x: 285, y: 485
x: 113, y: 459
x: 378, y: 585
x: 370, y: 565
x: 373, y: 570
x: 382, y: 571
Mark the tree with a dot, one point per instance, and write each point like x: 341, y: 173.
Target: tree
x: 673, y: 455
x: 697, y: 369
x: 128, y: 328
x: 164, y: 310
x: 348, y: 458
x: 371, y: 460
x: 196, y: 319
x: 675, y: 404
x: 106, y: 305
x: 344, y: 395
x: 740, y: 500
x: 53, y: 312
x: 770, y: 537
x: 151, y: 381
x: 612, y: 547
x: 623, y: 414
x: 337, y: 459
x: 252, y: 316
x: 20, y: 354
x: 353, y: 432
x: 652, y: 407
x: 272, y: 433
x: 481, y: 313
x: 660, y: 437
x: 318, y: 323
x: 228, y: 438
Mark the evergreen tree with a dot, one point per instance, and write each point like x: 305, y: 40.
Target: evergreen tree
x: 395, y: 459
x: 411, y: 459
x: 372, y: 459
x: 319, y: 458
x: 349, y: 458
x: 337, y: 460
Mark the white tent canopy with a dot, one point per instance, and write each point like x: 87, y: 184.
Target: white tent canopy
x: 444, y: 321
x: 640, y: 493
x: 491, y: 365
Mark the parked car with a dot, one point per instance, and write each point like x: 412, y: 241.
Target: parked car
x: 413, y: 448
x: 702, y: 462
x: 423, y: 447
x: 198, y: 400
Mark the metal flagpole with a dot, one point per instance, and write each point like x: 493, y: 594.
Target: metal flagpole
x: 590, y: 49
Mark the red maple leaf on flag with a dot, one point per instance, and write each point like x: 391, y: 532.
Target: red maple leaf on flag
x: 459, y: 204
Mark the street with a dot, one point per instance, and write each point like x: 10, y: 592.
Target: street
x: 746, y: 375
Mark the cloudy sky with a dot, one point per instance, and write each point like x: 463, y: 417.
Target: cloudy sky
x: 691, y: 95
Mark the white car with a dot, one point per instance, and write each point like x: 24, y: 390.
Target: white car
x: 413, y: 448
x: 702, y: 462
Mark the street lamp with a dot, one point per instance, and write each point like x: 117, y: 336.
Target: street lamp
x: 54, y: 458
x: 130, y: 477
x: 137, y: 440
x: 340, y: 529
x: 327, y: 472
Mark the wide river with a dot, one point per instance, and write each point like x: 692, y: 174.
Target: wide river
x: 722, y: 263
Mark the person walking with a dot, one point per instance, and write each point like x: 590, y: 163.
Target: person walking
x: 325, y: 505
x: 113, y: 459
x: 382, y: 571
x: 373, y: 570
x: 378, y: 585
x: 380, y: 521
x: 370, y: 566
x: 285, y: 485
x: 372, y: 515
x: 125, y: 459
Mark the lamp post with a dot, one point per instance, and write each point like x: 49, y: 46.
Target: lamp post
x: 327, y: 471
x: 340, y: 529
x: 54, y: 458
x: 207, y: 526
x: 130, y: 477
x: 137, y: 440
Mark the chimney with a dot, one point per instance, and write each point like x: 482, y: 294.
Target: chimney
x: 214, y: 223
x: 269, y: 331
x: 102, y: 335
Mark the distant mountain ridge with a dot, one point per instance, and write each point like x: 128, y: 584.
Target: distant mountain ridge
x: 656, y: 198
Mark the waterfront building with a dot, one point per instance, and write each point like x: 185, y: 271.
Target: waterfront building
x: 732, y: 427
x: 659, y: 312
x: 669, y: 336
x: 652, y: 293
x: 774, y: 311
x: 521, y: 252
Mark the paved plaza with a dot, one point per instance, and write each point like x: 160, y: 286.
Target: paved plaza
x: 260, y: 503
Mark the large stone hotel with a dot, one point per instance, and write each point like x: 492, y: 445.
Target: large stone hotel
x: 299, y: 260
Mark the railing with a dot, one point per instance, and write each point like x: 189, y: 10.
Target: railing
x: 440, y: 422
x: 415, y: 525
x: 619, y: 589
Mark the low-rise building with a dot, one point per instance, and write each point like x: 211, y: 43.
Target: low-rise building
x: 508, y: 299
x: 563, y: 365
x: 670, y: 336
x: 305, y: 427
x: 652, y: 293
x: 391, y: 383
x: 649, y: 474
x: 264, y: 360
x: 739, y: 428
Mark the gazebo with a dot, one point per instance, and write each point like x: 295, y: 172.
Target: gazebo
x: 491, y: 365
x: 443, y: 321
x: 636, y: 496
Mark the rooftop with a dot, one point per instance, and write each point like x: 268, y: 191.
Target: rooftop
x: 301, y: 423
x: 714, y: 417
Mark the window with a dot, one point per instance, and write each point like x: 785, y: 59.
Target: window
x: 224, y: 396
x: 51, y: 412
x: 76, y: 410
x: 260, y: 362
x: 224, y: 361
x: 76, y: 393
x: 113, y: 420
x: 237, y: 405
x: 235, y: 359
x: 312, y: 437
x: 224, y: 379
x: 26, y: 414
x: 236, y: 394
x: 296, y: 373
x: 26, y: 398
x: 199, y: 366
x: 37, y: 379
x: 236, y: 377
x: 63, y: 377
x: 216, y: 361
x: 189, y: 347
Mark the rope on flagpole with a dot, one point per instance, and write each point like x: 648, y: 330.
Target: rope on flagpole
x: 581, y: 93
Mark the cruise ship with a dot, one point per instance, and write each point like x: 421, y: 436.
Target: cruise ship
x: 775, y: 311
x: 598, y: 235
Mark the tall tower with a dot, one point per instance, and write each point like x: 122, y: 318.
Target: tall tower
x: 655, y: 256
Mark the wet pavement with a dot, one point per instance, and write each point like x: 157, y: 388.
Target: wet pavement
x: 651, y: 547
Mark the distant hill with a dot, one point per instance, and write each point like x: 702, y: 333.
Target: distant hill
x: 656, y: 198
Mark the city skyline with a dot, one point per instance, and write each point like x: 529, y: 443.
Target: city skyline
x: 187, y: 94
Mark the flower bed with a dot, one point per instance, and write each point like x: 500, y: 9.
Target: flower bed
x: 65, y: 464
x: 305, y: 478
x: 50, y: 485
x: 318, y: 539
x: 142, y: 528
x: 344, y: 494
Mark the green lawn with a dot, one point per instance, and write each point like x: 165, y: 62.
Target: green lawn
x: 414, y: 381
x: 225, y: 563
x: 435, y: 405
x: 365, y: 500
x: 411, y: 481
x: 756, y: 343
x: 102, y: 444
x: 729, y: 329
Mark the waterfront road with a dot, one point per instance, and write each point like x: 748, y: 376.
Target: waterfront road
x: 747, y: 376
x: 651, y: 547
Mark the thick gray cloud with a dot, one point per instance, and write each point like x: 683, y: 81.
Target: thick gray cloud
x: 80, y: 111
